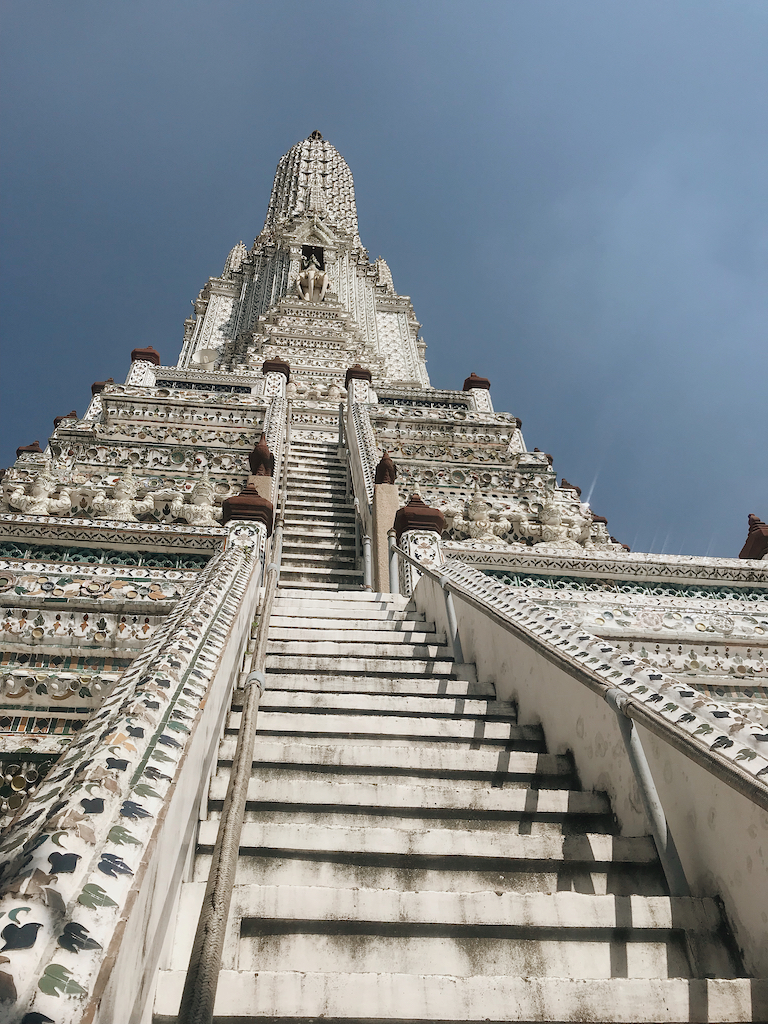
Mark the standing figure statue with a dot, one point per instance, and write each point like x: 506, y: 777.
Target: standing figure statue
x: 123, y: 505
x: 313, y: 281
x: 39, y: 502
x: 200, y: 509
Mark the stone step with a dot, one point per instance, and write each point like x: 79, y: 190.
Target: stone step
x: 317, y: 469
x: 293, y: 557
x: 319, y: 574
x: 323, y: 517
x: 298, y: 495
x: 313, y: 528
x: 317, y: 483
x: 417, y: 873
x: 333, y: 727
x: 369, y: 596
x: 376, y: 704
x: 249, y: 996
x: 366, y: 797
x: 591, y: 848
x: 317, y: 476
x: 322, y: 508
x: 405, y: 626
x: 360, y: 771
x: 382, y: 649
x: 320, y: 492
x: 298, y: 663
x: 323, y: 584
x: 297, y: 542
x: 353, y: 635
x: 341, y: 608
x: 442, y: 687
x: 433, y: 760
x: 555, y: 934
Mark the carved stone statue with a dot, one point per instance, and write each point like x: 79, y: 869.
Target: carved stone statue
x: 313, y: 281
x: 40, y: 500
x: 123, y: 505
x: 200, y: 509
x: 477, y: 519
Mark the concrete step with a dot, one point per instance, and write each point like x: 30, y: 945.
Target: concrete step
x: 297, y: 499
x: 383, y: 649
x: 332, y: 727
x: 375, y: 704
x: 370, y: 596
x: 322, y: 584
x: 428, y: 760
x: 318, y: 574
x: 317, y: 479
x: 352, y: 635
x: 405, y: 625
x: 331, y: 682
x: 323, y: 517
x: 297, y: 663
x: 320, y: 493
x: 595, y: 849
x: 314, y: 543
x: 401, y: 797
x: 349, y: 608
x: 562, y: 934
x: 284, y: 995
x: 293, y: 557
x: 416, y: 873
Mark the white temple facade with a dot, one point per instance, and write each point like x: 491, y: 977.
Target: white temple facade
x: 322, y: 698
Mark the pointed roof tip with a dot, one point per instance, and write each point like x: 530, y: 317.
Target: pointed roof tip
x: 315, y: 135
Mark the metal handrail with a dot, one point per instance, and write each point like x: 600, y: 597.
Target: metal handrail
x: 199, y: 995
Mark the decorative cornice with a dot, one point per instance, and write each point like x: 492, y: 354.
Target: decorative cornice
x: 631, y: 566
x: 105, y: 533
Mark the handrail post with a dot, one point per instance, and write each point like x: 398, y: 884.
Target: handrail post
x: 367, y: 564
x: 394, y: 570
x: 453, y: 624
x: 199, y: 996
x: 341, y: 424
x: 357, y: 533
x: 654, y: 811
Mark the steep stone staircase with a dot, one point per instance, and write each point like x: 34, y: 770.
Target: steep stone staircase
x: 319, y: 540
x: 411, y: 853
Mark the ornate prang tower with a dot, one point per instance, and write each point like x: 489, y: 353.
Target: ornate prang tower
x: 481, y: 718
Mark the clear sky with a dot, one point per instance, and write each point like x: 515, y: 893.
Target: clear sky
x: 572, y: 193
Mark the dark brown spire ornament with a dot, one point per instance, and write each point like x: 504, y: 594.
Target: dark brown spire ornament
x: 572, y: 487
x: 418, y: 516
x: 386, y: 471
x: 98, y: 386
x: 29, y: 449
x: 59, y: 419
x: 147, y: 355
x: 473, y: 381
x: 261, y: 460
x: 248, y: 505
x: 756, y: 544
x: 277, y: 366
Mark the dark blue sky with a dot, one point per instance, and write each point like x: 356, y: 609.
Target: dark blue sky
x: 573, y: 195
